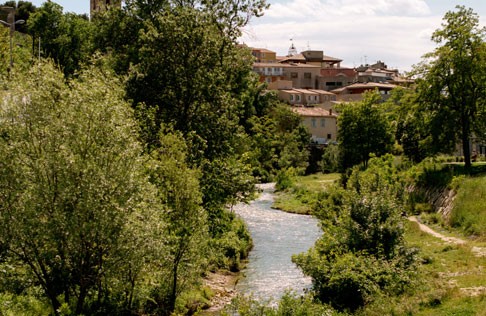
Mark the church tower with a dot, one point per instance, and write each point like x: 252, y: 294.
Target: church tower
x: 97, y: 5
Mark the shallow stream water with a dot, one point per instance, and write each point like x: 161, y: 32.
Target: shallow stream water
x: 276, y: 237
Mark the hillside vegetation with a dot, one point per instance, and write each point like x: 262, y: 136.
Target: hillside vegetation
x: 449, y: 278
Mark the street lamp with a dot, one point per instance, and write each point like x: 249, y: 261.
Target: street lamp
x: 11, y: 24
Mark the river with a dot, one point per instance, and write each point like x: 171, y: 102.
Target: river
x: 276, y: 237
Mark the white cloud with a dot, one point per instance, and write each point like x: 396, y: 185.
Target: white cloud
x: 395, y: 31
x: 304, y: 9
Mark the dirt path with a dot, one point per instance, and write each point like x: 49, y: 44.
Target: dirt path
x: 478, y: 251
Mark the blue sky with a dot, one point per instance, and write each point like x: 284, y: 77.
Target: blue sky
x: 78, y: 6
x: 357, y: 31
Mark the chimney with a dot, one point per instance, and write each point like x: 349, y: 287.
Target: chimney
x: 330, y: 111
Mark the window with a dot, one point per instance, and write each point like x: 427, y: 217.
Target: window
x: 294, y: 75
x: 313, y: 122
x: 307, y: 75
x: 291, y: 97
x: 323, y: 122
x: 297, y: 98
x: 329, y: 136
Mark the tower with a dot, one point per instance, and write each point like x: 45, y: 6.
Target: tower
x: 292, y: 49
x: 97, y: 5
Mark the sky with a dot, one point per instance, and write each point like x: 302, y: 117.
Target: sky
x: 357, y: 31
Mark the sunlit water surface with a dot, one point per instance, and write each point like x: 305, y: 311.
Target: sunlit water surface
x: 276, y: 236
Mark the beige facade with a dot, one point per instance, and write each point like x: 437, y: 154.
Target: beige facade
x: 269, y: 72
x: 263, y: 55
x: 307, y: 97
x: 303, y: 76
x: 322, y: 124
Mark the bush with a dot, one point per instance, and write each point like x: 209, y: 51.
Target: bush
x: 363, y: 254
x: 290, y: 304
x: 284, y: 180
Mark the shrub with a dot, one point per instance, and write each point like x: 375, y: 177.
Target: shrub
x: 363, y: 254
x: 284, y: 180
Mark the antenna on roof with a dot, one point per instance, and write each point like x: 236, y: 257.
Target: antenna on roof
x: 308, y: 45
x: 292, y: 49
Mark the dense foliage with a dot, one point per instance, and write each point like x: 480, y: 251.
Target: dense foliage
x: 362, y: 254
x: 363, y: 130
x: 451, y: 83
x: 120, y: 164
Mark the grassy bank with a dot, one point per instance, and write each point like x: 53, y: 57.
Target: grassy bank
x: 300, y: 195
x: 450, y: 278
x: 469, y: 211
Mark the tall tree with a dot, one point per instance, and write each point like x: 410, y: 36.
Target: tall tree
x: 363, y: 130
x: 72, y: 187
x: 64, y: 37
x: 452, y: 83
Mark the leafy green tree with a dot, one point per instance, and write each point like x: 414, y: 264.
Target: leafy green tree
x: 452, y: 81
x: 186, y: 241
x: 362, y: 254
x: 411, y: 124
x: 330, y: 159
x: 363, y: 130
x: 278, y: 141
x: 64, y: 37
x: 76, y: 208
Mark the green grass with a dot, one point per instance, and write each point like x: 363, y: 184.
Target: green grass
x: 300, y: 197
x: 443, y: 271
x: 469, y: 211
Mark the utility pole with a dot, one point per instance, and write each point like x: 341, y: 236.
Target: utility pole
x: 11, y: 24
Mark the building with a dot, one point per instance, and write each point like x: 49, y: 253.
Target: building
x: 303, y: 76
x: 312, y: 57
x: 354, y: 92
x: 322, y: 124
x: 269, y: 72
x: 97, y: 5
x: 333, y: 78
x: 263, y: 55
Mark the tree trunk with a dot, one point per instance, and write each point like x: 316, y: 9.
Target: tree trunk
x: 173, y: 293
x: 465, y: 141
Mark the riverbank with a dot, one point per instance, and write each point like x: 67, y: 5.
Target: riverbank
x: 223, y: 287
x: 303, y: 192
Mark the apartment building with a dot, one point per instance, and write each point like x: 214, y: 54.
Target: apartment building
x: 333, y: 78
x: 321, y: 123
x: 263, y: 55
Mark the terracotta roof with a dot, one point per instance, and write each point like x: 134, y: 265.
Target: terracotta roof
x: 263, y: 50
x: 301, y: 58
x: 306, y: 91
x: 312, y: 111
x: 366, y: 85
x: 271, y: 65
x: 297, y: 65
x: 294, y: 91
x: 321, y: 91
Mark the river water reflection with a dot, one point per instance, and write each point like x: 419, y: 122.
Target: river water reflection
x: 276, y: 236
